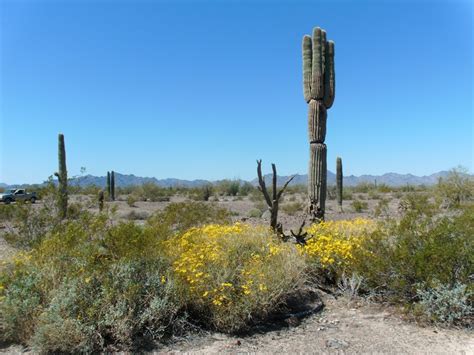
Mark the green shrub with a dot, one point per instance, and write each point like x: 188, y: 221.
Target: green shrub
x: 131, y: 200
x: 28, y: 224
x: 180, y: 216
x: 291, y: 208
x: 137, y: 216
x: 421, y: 248
x: 359, y: 206
x: 457, y: 188
x: 254, y: 213
x: 88, y: 286
x: 382, y: 208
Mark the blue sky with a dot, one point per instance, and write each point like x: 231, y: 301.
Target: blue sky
x: 201, y: 89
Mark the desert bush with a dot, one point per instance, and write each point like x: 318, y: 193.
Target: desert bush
x: 28, y: 225
x: 347, y: 195
x: 457, y: 188
x: 421, y: 248
x: 332, y: 244
x: 88, y: 286
x: 246, y: 188
x: 131, y: 200
x: 234, y: 275
x: 178, y: 217
x: 137, y: 216
x: 363, y: 187
x: 151, y: 192
x: 228, y: 187
x: 291, y: 208
x: 382, y: 209
x: 254, y: 213
x: 359, y: 206
x: 374, y: 195
x: 446, y: 303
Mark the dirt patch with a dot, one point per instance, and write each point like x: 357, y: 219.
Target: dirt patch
x: 341, y: 327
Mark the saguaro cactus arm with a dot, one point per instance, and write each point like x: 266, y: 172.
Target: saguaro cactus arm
x: 307, y: 67
x: 329, y: 76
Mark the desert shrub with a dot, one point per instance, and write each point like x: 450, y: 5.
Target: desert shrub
x: 131, y: 200
x: 363, y: 187
x: 28, y: 225
x: 228, y: 187
x: 254, y: 213
x: 446, y: 303
x: 87, y: 287
x: 151, y: 192
x: 332, y: 244
x: 347, y: 194
x: 374, y: 195
x: 137, y: 215
x: 246, y: 188
x: 456, y: 189
x: 359, y: 206
x: 178, y: 217
x: 421, y: 248
x: 232, y: 275
x: 382, y: 209
x: 291, y: 208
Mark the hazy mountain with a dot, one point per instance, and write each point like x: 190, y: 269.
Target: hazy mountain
x: 391, y: 179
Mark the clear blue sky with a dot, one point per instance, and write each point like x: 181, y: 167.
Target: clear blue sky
x: 201, y: 89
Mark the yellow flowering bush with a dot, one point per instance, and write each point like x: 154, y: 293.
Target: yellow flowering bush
x: 232, y: 274
x: 333, y: 243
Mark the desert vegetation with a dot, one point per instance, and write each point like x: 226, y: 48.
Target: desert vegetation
x: 131, y: 267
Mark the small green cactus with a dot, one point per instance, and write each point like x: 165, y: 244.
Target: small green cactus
x: 62, y: 178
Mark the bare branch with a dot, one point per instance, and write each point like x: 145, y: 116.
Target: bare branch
x: 285, y: 186
x: 261, y: 182
x: 274, y: 185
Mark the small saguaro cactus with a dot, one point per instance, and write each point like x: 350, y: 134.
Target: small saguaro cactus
x: 319, y: 90
x: 339, y: 178
x: 101, y: 200
x: 108, y: 184
x: 112, y: 186
x: 62, y: 177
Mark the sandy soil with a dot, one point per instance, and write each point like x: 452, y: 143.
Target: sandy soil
x: 342, y: 327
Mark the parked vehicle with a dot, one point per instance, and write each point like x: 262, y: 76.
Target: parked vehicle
x: 13, y: 195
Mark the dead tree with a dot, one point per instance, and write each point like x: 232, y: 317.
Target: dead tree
x: 276, y: 195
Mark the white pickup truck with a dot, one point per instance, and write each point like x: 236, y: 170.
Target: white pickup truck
x: 12, y: 195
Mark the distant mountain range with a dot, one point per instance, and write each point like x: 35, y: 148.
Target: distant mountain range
x: 391, y: 179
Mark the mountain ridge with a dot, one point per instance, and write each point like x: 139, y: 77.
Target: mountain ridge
x: 122, y: 180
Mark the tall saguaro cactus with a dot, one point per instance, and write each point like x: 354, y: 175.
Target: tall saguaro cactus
x: 112, y: 186
x: 62, y: 177
x: 339, y: 177
x: 319, y: 89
